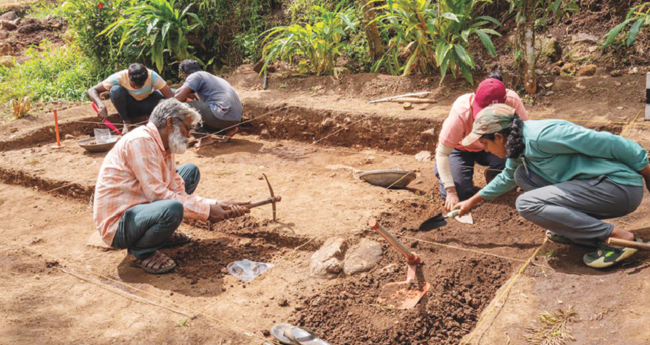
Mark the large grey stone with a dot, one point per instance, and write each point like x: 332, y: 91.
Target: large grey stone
x: 326, y: 262
x: 9, y: 16
x: 362, y: 257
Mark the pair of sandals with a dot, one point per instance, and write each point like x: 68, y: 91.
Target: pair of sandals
x: 292, y: 335
x: 159, y: 263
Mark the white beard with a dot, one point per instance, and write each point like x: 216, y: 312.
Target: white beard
x: 177, y: 142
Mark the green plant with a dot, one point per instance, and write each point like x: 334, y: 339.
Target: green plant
x: 86, y: 19
x: 422, y: 35
x: 44, y: 8
x: 51, y: 73
x: 315, y: 48
x: 182, y: 322
x: 156, y: 27
x: 20, y: 107
x: 640, y: 15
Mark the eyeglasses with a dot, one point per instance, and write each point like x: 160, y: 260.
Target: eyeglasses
x: 188, y: 130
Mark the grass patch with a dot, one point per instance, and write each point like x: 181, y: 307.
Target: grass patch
x: 554, y: 329
x: 51, y: 74
x: 44, y: 8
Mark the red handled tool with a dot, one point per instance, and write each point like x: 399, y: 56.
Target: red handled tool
x: 106, y: 122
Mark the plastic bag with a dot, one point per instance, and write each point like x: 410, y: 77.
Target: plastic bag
x: 247, y: 270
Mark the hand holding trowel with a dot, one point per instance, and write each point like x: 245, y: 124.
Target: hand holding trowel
x: 438, y: 220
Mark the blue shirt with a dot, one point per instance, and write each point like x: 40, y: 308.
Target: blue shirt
x: 221, y: 97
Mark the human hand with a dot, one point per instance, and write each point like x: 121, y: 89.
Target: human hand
x: 102, y: 113
x: 451, y: 200
x: 465, y: 206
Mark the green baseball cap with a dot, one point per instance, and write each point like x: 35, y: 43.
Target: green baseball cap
x: 492, y: 119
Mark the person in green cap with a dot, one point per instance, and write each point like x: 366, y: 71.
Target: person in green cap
x: 572, y: 177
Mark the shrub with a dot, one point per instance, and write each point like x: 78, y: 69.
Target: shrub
x: 422, y: 35
x: 639, y: 15
x: 156, y: 27
x: 54, y: 74
x: 316, y: 48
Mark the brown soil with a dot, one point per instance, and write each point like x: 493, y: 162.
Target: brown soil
x: 33, y: 31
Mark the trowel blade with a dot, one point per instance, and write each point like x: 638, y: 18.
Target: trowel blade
x: 466, y: 219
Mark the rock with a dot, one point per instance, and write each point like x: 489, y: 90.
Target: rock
x: 551, y: 50
x: 9, y: 16
x: 264, y: 133
x: 407, y: 106
x: 548, y: 85
x: 4, y: 35
x: 6, y: 49
x: 326, y: 262
x: 7, y: 25
x: 587, y: 38
x: 617, y: 73
x: 362, y: 257
x: 328, y: 122
x: 7, y: 62
x: 568, y: 68
x: 423, y: 156
x: 617, y: 83
x: 633, y: 70
x: 429, y: 133
x: 556, y: 70
x: 587, y: 70
x: 69, y: 136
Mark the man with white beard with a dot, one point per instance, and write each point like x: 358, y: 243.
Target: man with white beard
x: 141, y: 197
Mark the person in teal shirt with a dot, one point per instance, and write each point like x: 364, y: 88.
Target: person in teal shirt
x: 572, y: 177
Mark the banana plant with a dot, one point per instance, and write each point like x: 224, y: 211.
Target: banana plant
x: 157, y: 28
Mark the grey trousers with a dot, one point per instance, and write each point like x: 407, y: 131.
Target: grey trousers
x: 145, y: 227
x: 574, y: 209
x: 210, y: 121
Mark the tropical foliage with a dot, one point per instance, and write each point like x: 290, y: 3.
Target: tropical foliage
x: 423, y: 34
x: 314, y: 47
x: 156, y: 28
x: 638, y: 17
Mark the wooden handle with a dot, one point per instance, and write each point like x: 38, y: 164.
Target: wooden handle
x: 411, y: 258
x: 413, y: 100
x: 629, y: 244
x: 275, y: 199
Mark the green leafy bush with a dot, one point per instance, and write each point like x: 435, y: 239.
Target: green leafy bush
x: 156, y: 27
x: 86, y: 20
x: 638, y: 17
x: 63, y: 73
x: 314, y: 47
x: 422, y: 35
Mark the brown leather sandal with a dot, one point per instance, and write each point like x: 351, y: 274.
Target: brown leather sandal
x: 158, y: 263
x: 176, y: 239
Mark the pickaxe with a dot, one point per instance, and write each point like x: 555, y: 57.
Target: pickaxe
x: 272, y: 200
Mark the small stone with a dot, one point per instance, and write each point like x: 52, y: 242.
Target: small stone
x: 549, y: 93
x: 407, y: 106
x: 69, y: 136
x: 568, y: 68
x: 266, y: 332
x: 7, y: 25
x: 9, y: 16
x: 283, y: 302
x: 423, y: 156
x: 620, y: 108
x: 556, y: 70
x: 6, y: 49
x: 326, y: 262
x: 362, y: 257
x: 548, y: 85
x: 587, y: 70
x: 617, y: 83
x: 328, y: 122
x: 264, y: 133
x: 633, y: 70
x: 617, y: 73
x: 429, y: 133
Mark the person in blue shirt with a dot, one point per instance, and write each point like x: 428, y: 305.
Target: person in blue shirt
x: 572, y: 177
x: 218, y: 103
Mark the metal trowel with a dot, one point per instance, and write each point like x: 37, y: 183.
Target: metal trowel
x: 438, y: 220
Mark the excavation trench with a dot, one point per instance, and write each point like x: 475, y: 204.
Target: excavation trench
x: 320, y: 202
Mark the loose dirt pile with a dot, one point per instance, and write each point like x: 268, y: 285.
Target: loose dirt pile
x: 30, y: 32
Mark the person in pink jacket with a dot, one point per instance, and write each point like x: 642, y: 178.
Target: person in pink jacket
x: 455, y: 162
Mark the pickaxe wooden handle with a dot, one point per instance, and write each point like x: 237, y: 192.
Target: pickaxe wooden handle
x: 629, y: 244
x: 272, y: 200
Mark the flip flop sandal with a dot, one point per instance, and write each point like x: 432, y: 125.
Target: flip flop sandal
x: 278, y: 331
x: 304, y: 336
x: 176, y: 239
x: 152, y: 264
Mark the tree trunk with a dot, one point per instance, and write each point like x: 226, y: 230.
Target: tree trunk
x: 528, y: 34
x: 375, y: 46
